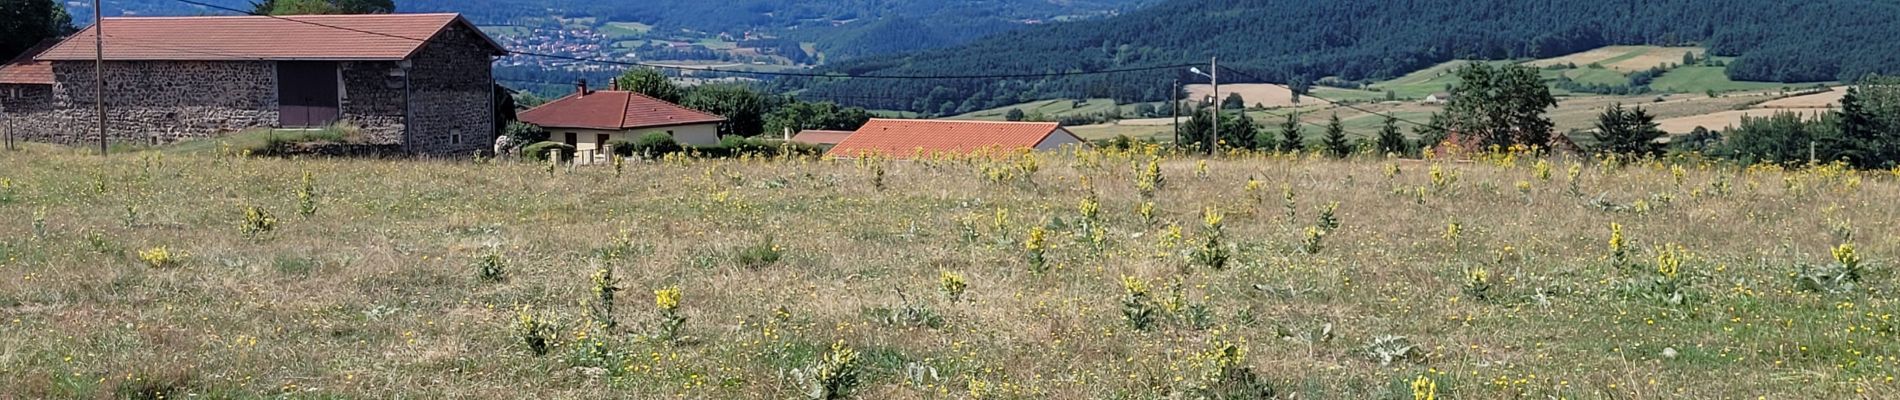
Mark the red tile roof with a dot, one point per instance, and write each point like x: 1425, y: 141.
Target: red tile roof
x: 821, y: 137
x: 23, y: 70
x: 379, y: 37
x: 900, y: 138
x: 614, y: 110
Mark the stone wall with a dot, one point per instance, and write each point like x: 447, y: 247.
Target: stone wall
x: 21, y: 106
x: 157, y: 101
x: 373, y: 99
x: 451, y: 95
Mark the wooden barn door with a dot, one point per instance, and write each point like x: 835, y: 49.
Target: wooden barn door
x: 307, y: 94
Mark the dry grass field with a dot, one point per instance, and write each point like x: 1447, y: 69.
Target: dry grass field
x: 1623, y: 58
x: 142, y: 276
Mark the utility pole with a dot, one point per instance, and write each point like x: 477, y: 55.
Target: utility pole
x: 1213, y: 138
x: 99, y: 71
x: 1174, y: 108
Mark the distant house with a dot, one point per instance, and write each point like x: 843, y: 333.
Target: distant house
x: 1438, y: 98
x: 419, y: 81
x: 899, y: 138
x: 589, y: 119
x: 821, y: 137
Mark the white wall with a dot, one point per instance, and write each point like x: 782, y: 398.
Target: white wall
x: 585, y: 140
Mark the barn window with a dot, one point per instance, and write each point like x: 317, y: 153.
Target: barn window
x: 455, y: 136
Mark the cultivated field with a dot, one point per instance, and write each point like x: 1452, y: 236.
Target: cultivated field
x: 897, y: 280
x: 1623, y: 58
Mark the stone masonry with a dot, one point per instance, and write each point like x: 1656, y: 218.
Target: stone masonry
x: 440, y: 105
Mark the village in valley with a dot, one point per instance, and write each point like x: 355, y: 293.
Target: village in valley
x: 884, y: 200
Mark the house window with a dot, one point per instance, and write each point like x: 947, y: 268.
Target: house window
x: 455, y: 136
x: 669, y: 134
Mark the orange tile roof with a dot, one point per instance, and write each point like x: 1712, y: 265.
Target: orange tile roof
x: 614, y: 110
x: 898, y: 138
x: 378, y: 37
x: 821, y: 137
x: 23, y: 70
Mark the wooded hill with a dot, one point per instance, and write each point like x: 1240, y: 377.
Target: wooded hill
x: 1293, y: 41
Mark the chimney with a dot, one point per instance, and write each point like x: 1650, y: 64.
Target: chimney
x: 581, y: 87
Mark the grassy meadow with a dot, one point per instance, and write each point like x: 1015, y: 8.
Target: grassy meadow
x: 1061, y: 275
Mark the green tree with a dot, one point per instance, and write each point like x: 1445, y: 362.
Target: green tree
x: 1501, y: 106
x: 1291, y: 140
x: 1335, y: 141
x: 1240, y: 131
x: 650, y: 82
x: 1390, y: 140
x: 25, y: 23
x: 1433, y: 133
x: 1627, y: 132
x: 1233, y: 102
x: 308, y: 7
x: 1014, y: 115
x: 743, y: 107
x: 799, y: 116
x: 1868, y: 124
x: 1783, y: 138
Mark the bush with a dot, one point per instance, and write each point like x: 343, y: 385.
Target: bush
x: 523, y: 133
x: 539, y: 151
x: 655, y: 144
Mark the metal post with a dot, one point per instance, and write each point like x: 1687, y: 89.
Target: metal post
x: 99, y: 71
x: 1213, y: 140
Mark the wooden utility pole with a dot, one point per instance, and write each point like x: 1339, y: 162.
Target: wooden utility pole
x: 1174, y: 108
x: 1213, y: 138
x: 99, y: 71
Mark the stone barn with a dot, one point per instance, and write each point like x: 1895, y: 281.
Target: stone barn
x: 419, y: 81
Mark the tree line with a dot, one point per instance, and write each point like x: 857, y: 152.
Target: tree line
x: 1301, y: 41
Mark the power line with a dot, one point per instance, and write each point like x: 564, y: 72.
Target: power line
x: 710, y: 69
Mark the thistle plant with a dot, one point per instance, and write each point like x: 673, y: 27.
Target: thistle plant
x: 667, y: 302
x: 1213, y: 252
x: 257, y: 223
x: 832, y: 376
x: 534, y: 331
x: 307, y: 196
x: 952, y: 285
x: 1036, y: 248
x: 601, y: 305
x: 1137, y: 304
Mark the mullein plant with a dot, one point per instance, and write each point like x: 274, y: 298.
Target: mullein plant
x: 257, y: 223
x: 667, y: 302
x: 1669, y: 281
x: 1036, y: 249
x: 601, y: 304
x: 1574, y: 175
x: 307, y: 196
x: 1138, y: 306
x: 1423, y: 388
x: 534, y: 331
x: 1213, y: 252
x: 1149, y: 179
x: 952, y: 285
x: 1619, y: 246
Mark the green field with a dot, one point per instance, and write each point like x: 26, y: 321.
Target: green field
x: 1052, y: 109
x: 1421, y: 83
x: 1593, y: 76
x: 1704, y: 79
x: 625, y: 30
x: 177, y: 276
